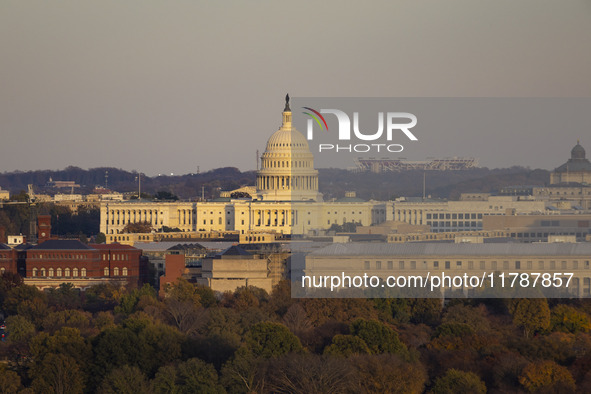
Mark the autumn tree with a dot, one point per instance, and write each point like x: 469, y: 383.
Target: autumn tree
x: 308, y: 373
x: 379, y: 337
x: 456, y: 381
x: 267, y: 339
x: 10, y: 382
x: 346, y: 345
x: 59, y: 374
x: 531, y: 314
x: 387, y: 373
x: 547, y: 376
x: 191, y: 376
x: 19, y: 328
x: 139, y: 227
x: 125, y: 380
x: 568, y: 319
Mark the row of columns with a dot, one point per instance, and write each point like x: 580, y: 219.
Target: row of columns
x: 300, y: 182
x: 274, y: 217
x: 149, y: 215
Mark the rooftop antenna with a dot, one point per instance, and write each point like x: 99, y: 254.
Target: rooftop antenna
x: 424, y: 178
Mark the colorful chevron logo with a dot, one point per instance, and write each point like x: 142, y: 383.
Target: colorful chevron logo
x: 316, y: 115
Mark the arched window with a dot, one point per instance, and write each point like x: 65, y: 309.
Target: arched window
x: 75, y: 272
x: 50, y: 272
x: 67, y: 272
x: 2, y: 270
x: 115, y: 271
x: 34, y: 271
x: 58, y: 272
x: 106, y: 271
x: 43, y: 272
x: 124, y: 271
x: 83, y: 272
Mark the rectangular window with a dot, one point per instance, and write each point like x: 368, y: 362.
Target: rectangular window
x: 378, y: 265
x: 366, y: 265
x: 401, y: 265
x: 447, y: 265
x: 390, y: 265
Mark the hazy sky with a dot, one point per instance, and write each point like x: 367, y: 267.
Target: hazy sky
x: 165, y: 87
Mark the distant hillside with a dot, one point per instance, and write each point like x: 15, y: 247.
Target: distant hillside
x: 333, y: 182
x: 185, y: 186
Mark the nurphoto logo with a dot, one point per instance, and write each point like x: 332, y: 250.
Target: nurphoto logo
x: 395, y: 122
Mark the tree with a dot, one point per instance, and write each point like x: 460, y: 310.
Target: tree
x: 308, y: 373
x: 19, y: 328
x: 456, y: 381
x: 66, y: 341
x: 532, y: 314
x: 547, y: 376
x: 387, y: 373
x: 378, y: 337
x: 165, y: 195
x: 568, y: 319
x: 125, y: 380
x: 67, y: 318
x: 100, y: 238
x: 59, y: 374
x: 475, y: 317
x: 192, y: 376
x: 139, y: 227
x: 26, y: 301
x: 296, y: 320
x: 64, y: 297
x: 245, y: 373
x: 10, y: 382
x: 267, y: 339
x: 346, y: 345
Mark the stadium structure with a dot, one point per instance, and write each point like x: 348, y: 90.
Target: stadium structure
x: 396, y: 165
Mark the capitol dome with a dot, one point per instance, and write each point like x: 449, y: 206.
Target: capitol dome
x: 287, y: 139
x: 287, y: 166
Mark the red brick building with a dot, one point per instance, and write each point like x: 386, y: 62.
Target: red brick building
x: 57, y: 261
x: 7, y: 259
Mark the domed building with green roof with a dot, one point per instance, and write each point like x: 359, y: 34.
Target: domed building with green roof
x: 576, y: 170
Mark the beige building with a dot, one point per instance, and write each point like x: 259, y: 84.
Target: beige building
x: 236, y: 268
x: 576, y: 170
x: 534, y: 228
x: 565, y: 197
x: 421, y: 259
x: 463, y: 215
x: 4, y: 194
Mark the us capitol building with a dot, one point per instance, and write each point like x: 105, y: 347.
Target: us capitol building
x: 286, y: 199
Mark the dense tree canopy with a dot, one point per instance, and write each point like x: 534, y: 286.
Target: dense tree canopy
x: 116, y: 340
